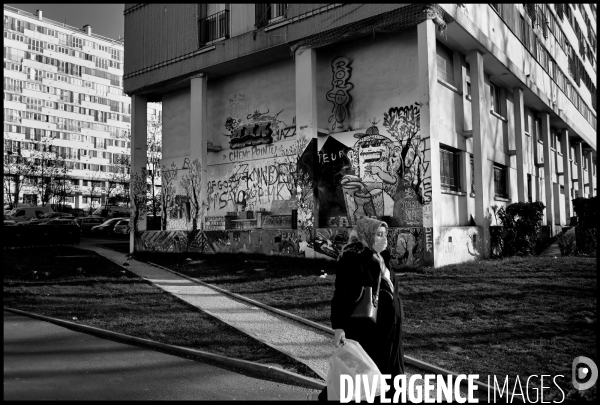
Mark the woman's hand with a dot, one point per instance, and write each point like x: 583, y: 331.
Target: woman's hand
x: 339, y: 337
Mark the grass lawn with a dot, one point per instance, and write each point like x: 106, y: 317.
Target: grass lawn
x: 94, y: 291
x: 515, y: 317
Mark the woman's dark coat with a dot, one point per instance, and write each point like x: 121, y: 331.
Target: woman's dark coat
x: 357, y: 268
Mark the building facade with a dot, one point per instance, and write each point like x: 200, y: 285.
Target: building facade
x: 296, y: 120
x: 63, y: 99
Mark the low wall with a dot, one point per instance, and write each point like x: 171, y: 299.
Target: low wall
x: 408, y: 246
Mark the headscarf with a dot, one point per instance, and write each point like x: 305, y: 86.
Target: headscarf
x: 367, y: 228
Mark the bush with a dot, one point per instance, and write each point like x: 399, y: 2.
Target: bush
x: 586, y: 210
x: 566, y: 244
x: 521, y: 224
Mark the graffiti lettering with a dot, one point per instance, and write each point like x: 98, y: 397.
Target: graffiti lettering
x: 429, y: 239
x: 339, y: 94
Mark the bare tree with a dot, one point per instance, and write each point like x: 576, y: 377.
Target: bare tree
x: 167, y: 194
x: 16, y: 170
x: 154, y: 144
x: 191, y: 184
x: 94, y: 190
x: 118, y: 182
x: 300, y: 183
x: 62, y: 185
x: 139, y: 199
x: 46, y: 166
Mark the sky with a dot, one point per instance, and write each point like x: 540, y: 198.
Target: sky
x: 106, y: 19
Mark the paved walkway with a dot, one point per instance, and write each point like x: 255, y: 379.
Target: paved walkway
x: 43, y: 361
x: 553, y: 249
x: 308, y: 345
x: 302, y: 342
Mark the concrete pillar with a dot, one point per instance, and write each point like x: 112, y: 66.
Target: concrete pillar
x: 520, y: 143
x: 199, y: 138
x: 139, y: 158
x: 565, y: 146
x: 483, y: 168
x: 548, y: 170
x: 306, y: 112
x: 306, y: 93
x: 590, y: 173
x: 432, y: 212
x: 579, y: 161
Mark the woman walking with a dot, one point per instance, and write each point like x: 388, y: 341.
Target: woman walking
x: 362, y: 261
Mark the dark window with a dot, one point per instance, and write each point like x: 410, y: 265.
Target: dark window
x: 472, y: 175
x: 495, y: 92
x: 529, y: 196
x: 468, y: 78
x: 500, y: 187
x: 262, y: 14
x: 449, y: 168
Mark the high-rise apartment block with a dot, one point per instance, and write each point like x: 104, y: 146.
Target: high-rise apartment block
x: 302, y: 118
x: 63, y: 99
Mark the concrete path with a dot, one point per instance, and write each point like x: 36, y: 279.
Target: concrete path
x: 307, y: 345
x: 43, y: 361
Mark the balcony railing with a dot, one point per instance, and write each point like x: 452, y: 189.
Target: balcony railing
x: 214, y: 27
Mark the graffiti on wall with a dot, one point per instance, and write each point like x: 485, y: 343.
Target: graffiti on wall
x: 382, y: 173
x: 248, y: 186
x: 257, y: 128
x: 339, y: 95
x: 406, y: 245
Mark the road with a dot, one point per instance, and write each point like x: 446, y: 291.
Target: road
x: 43, y: 361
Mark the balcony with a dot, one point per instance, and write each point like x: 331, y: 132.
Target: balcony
x: 214, y: 27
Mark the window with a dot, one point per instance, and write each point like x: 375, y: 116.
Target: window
x: 472, y: 174
x: 445, y: 63
x: 500, y: 187
x: 449, y: 168
x: 538, y: 129
x: 529, y: 195
x: 495, y: 93
x: 526, y: 124
x: 468, y: 79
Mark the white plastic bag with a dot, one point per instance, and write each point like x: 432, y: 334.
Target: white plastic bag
x: 351, y: 359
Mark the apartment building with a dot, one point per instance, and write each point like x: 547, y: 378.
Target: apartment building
x: 302, y: 118
x: 63, y: 99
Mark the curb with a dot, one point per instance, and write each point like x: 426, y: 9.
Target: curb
x: 273, y: 373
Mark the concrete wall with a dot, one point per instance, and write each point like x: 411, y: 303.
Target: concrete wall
x: 252, y: 176
x: 242, y: 18
x: 176, y: 125
x: 457, y: 245
x: 383, y: 72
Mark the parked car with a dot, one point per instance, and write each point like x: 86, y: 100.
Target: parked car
x: 47, y: 217
x: 122, y: 228
x: 87, y: 223
x: 61, y: 221
x: 8, y: 221
x: 106, y: 228
x: 22, y: 214
x: 113, y: 211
